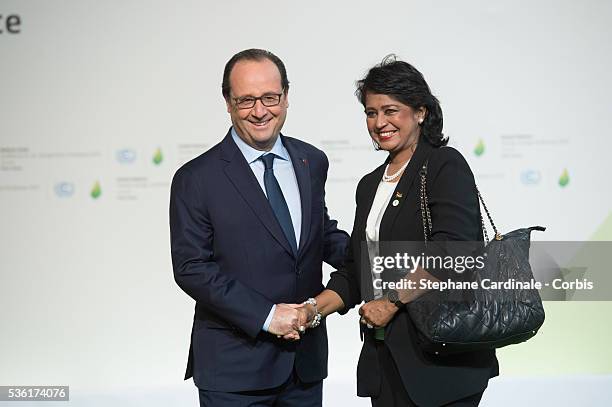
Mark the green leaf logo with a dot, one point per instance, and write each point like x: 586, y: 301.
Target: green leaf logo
x: 158, y: 157
x: 480, y: 148
x: 96, y: 191
x: 564, y: 178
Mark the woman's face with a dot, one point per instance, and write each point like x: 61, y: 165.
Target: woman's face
x: 392, y: 124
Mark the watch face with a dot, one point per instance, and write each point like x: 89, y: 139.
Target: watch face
x: 393, y: 296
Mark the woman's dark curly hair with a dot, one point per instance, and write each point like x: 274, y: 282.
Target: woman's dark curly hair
x: 404, y: 83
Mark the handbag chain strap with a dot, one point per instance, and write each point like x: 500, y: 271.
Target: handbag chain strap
x: 484, y: 205
x: 426, y: 214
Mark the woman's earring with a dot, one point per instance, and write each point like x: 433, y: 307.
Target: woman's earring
x: 376, y: 145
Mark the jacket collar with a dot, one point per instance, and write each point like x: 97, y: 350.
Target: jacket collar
x: 241, y: 176
x: 404, y: 187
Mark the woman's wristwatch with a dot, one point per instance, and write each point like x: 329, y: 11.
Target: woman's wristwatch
x: 393, y: 297
x: 316, y: 321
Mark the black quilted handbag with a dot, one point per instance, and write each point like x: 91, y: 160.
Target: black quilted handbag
x: 469, y: 320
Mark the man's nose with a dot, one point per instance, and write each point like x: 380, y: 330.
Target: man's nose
x: 259, y: 110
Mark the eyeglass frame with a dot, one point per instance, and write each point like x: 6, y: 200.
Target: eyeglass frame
x: 260, y: 98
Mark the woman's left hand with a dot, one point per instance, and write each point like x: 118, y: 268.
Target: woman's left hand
x: 377, y: 313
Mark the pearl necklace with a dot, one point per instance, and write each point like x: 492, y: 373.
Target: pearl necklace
x: 389, y: 178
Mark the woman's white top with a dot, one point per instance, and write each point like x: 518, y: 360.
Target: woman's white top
x: 384, y: 192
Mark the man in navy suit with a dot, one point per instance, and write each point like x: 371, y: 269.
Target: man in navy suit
x: 249, y: 232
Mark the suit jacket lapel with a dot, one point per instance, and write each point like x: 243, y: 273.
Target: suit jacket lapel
x: 404, y: 187
x: 241, y: 175
x: 299, y: 159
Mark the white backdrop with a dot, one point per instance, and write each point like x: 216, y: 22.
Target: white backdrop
x: 100, y: 102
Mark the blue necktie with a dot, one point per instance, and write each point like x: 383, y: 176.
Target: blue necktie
x: 277, y: 200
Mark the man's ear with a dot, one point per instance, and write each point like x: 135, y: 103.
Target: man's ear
x: 228, y: 105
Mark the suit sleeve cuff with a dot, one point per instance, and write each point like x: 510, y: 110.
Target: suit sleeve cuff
x: 268, y: 321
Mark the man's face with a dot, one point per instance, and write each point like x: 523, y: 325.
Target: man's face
x: 259, y: 126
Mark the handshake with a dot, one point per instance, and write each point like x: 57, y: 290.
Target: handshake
x: 291, y: 320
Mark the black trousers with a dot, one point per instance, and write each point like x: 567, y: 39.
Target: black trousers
x: 293, y: 393
x: 392, y: 390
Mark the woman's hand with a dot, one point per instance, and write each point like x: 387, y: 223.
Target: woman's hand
x: 377, y: 313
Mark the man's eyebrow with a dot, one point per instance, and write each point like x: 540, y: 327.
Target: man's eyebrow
x: 269, y: 93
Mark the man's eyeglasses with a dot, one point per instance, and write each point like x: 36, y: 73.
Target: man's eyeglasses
x: 268, y: 100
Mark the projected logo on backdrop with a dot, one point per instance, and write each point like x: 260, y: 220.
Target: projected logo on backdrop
x: 480, y: 148
x: 126, y: 156
x: 96, y: 191
x: 531, y: 177
x: 64, y: 189
x: 158, y: 157
x: 564, y: 179
x: 10, y: 24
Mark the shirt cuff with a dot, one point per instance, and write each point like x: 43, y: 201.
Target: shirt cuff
x: 266, y: 324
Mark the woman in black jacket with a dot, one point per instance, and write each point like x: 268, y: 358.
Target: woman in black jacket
x: 405, y: 119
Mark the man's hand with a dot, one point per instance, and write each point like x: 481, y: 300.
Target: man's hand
x: 291, y: 320
x: 377, y: 313
x: 306, y: 313
x: 287, y: 320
